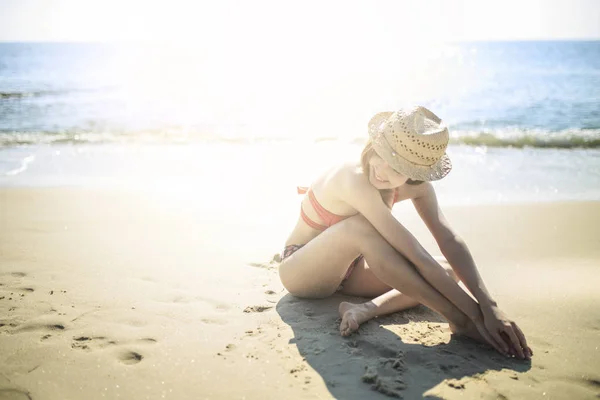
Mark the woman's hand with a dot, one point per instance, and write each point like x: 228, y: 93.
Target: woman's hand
x: 506, y: 333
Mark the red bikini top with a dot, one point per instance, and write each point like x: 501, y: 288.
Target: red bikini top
x: 327, y: 216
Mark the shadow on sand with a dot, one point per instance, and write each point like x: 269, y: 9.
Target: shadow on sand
x: 400, y: 355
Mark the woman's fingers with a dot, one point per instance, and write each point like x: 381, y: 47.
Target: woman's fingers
x: 493, y: 342
x: 521, y: 336
x: 515, y: 341
x: 500, y: 342
x: 483, y: 331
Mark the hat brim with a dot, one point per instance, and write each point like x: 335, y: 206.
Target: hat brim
x: 428, y: 173
x: 378, y: 119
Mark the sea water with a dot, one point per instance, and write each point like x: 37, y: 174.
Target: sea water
x: 524, y: 118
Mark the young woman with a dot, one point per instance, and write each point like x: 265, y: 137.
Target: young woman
x: 347, y: 239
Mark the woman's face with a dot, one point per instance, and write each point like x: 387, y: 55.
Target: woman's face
x: 382, y: 176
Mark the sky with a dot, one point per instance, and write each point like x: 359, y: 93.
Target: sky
x: 320, y: 22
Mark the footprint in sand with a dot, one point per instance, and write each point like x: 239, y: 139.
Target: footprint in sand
x: 147, y: 340
x: 386, y: 376
x: 6, y: 326
x: 373, y: 350
x: 591, y: 383
x: 32, y: 327
x: 130, y: 357
x: 259, y: 308
x: 14, y: 394
x: 91, y: 343
x: 230, y: 347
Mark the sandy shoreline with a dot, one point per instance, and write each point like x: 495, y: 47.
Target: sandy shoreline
x: 108, y: 294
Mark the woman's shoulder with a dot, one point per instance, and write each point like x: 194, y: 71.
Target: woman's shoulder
x: 353, y: 183
x: 349, y: 174
x: 337, y: 173
x: 342, y: 178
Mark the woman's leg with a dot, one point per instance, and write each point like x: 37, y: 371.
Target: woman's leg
x: 362, y: 282
x: 388, y: 302
x: 317, y: 269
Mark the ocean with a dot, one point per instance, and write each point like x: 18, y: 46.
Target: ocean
x: 524, y: 117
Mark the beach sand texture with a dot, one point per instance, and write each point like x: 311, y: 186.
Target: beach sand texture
x: 108, y: 294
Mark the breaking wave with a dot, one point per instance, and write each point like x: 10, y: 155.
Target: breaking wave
x: 566, y: 139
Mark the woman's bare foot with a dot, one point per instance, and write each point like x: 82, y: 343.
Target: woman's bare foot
x: 352, y: 316
x: 470, y: 329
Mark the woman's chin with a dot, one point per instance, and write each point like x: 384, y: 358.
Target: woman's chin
x: 380, y: 185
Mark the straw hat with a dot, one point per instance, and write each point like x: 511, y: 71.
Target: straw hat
x: 413, y: 142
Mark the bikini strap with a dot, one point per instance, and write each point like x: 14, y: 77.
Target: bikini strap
x: 310, y: 222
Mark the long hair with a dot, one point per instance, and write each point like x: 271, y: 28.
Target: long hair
x: 365, y: 156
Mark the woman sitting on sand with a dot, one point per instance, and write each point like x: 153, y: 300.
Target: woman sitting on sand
x: 347, y: 239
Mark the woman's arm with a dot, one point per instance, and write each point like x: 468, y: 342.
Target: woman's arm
x: 367, y: 201
x: 451, y: 245
x: 456, y: 252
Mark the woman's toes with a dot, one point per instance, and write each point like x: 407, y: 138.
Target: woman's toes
x: 348, y: 325
x: 343, y: 327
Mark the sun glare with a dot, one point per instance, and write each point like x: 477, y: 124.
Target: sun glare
x: 281, y: 69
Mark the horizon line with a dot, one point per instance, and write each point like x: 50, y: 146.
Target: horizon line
x: 99, y: 41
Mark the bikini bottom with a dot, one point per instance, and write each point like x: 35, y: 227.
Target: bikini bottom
x: 292, y: 248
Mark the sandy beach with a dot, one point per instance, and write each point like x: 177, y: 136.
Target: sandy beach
x: 150, y: 155
x: 110, y: 294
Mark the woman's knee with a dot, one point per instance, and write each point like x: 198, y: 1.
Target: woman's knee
x: 301, y: 285
x: 289, y: 278
x: 308, y: 291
